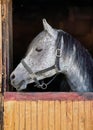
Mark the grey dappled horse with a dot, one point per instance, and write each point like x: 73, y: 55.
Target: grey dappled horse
x: 52, y: 52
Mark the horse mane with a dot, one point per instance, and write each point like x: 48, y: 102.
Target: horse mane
x: 82, y: 57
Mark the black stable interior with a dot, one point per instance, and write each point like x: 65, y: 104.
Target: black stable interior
x: 63, y: 14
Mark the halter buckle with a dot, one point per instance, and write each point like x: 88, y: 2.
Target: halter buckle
x: 58, y: 52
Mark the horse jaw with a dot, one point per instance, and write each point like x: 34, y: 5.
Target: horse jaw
x: 49, y: 29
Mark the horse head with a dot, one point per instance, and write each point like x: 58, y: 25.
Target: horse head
x: 40, y: 56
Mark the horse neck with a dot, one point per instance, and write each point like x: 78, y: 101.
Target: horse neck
x: 75, y: 66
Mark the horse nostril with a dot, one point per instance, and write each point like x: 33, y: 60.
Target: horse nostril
x: 13, y: 76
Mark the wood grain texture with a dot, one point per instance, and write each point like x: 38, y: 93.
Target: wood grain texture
x: 52, y: 96
x: 45, y: 116
x: 63, y: 115
x: 81, y: 115
x: 22, y: 116
x: 28, y: 115
x: 51, y: 115
x: 17, y: 115
x: 34, y: 115
x: 0, y: 46
x: 1, y: 111
x: 87, y: 116
x: 9, y: 115
x: 40, y: 115
x: 48, y: 114
x: 57, y: 115
x: 69, y: 115
x: 75, y: 115
x: 91, y: 114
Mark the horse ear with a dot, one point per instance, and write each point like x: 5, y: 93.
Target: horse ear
x: 49, y: 29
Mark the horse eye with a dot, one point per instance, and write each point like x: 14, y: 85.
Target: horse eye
x: 39, y: 49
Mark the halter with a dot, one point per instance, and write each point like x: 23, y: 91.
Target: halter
x: 56, y: 66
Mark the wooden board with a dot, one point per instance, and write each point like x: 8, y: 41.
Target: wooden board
x: 1, y: 111
x: 6, y: 43
x: 48, y: 111
x: 0, y: 46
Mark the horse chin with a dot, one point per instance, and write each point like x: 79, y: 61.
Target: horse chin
x: 19, y: 88
x: 22, y: 85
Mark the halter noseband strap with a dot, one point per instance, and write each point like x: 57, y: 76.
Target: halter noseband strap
x: 55, y: 66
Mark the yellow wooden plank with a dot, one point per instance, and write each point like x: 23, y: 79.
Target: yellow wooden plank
x: 75, y: 115
x: 81, y: 115
x: 69, y: 115
x: 91, y: 114
x: 39, y: 125
x: 22, y: 115
x: 6, y: 126
x: 28, y: 115
x: 17, y: 115
x: 63, y: 115
x: 51, y: 115
x: 34, y: 115
x: 57, y: 115
x: 87, y: 116
x: 9, y: 115
x: 45, y: 116
x: 1, y: 111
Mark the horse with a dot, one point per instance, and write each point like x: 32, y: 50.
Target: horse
x: 53, y: 52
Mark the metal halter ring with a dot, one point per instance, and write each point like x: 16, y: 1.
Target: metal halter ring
x: 43, y: 86
x: 58, y: 52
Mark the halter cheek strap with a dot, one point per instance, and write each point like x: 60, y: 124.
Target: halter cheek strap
x: 56, y: 66
x: 58, y: 50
